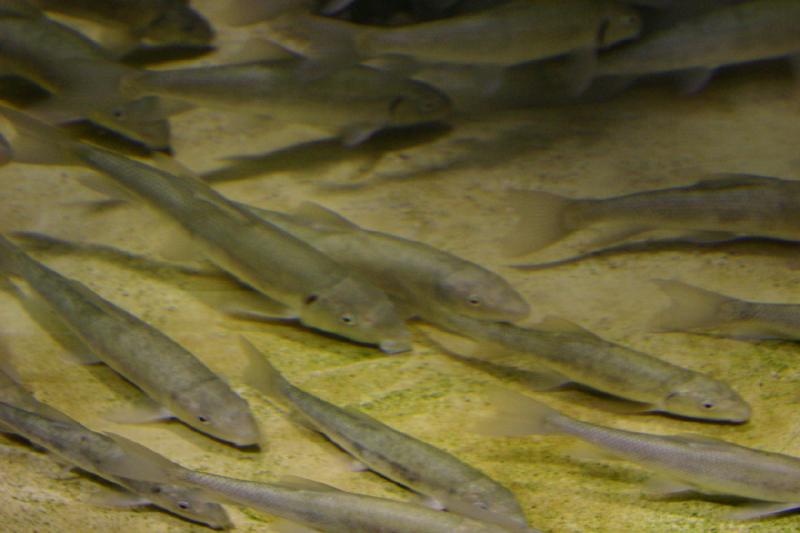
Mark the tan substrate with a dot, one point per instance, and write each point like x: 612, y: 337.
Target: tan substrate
x: 649, y: 138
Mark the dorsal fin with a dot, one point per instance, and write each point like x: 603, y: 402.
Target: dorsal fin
x: 301, y: 483
x: 557, y: 324
x: 323, y: 216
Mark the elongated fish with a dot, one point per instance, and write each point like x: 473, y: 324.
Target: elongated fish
x: 717, y: 209
x: 163, y: 369
x: 581, y: 357
x: 683, y: 463
x: 511, y: 33
x: 412, y: 272
x: 351, y: 101
x: 171, y: 22
x: 305, y: 502
x: 699, y: 310
x: 81, y: 75
x: 400, y: 457
x: 746, y: 31
x: 98, y: 454
x: 311, y: 286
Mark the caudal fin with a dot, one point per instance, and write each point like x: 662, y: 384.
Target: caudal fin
x: 691, y: 308
x: 541, y: 221
x: 261, y: 375
x: 28, y: 140
x: 516, y: 414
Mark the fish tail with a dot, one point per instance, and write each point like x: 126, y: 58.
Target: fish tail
x: 261, y: 375
x: 516, y: 414
x: 541, y: 221
x: 317, y: 38
x: 27, y: 140
x: 690, y: 308
x: 12, y: 258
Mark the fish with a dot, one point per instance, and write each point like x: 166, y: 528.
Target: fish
x: 98, y: 454
x: 511, y: 33
x: 307, y: 284
x: 412, y: 272
x: 305, y: 502
x: 159, y: 22
x: 568, y: 353
x: 352, y: 101
x: 395, y: 455
x: 683, y: 463
x: 169, y: 374
x: 82, y: 77
x: 718, y: 208
x: 697, y: 46
x: 698, y: 310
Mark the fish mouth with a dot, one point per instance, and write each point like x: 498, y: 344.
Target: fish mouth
x: 395, y: 346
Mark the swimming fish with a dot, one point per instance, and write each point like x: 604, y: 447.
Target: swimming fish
x: 98, y: 454
x: 160, y: 22
x: 399, y: 457
x: 684, y: 463
x: 351, y: 101
x: 413, y: 273
x: 720, y: 208
x: 309, y: 285
x: 511, y: 33
x: 164, y: 370
x: 696, y: 309
x: 576, y: 355
x: 305, y: 502
x: 695, y: 47
x: 82, y: 76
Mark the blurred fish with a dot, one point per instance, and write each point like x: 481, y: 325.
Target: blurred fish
x: 511, y: 33
x: 100, y: 455
x: 566, y: 353
x: 312, y: 504
x: 417, y: 465
x: 699, y: 310
x: 415, y: 274
x: 300, y: 280
x: 83, y: 77
x: 164, y: 370
x: 353, y: 101
x: 720, y: 208
x: 683, y: 463
x: 243, y: 12
x: 161, y: 22
x: 695, y: 47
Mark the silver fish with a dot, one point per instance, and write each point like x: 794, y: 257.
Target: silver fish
x: 717, y: 209
x: 164, y: 370
x: 310, y: 286
x: 400, y: 457
x: 351, y: 101
x: 699, y: 310
x: 100, y: 455
x: 576, y: 355
x: 312, y: 504
x: 684, y: 463
x: 413, y: 273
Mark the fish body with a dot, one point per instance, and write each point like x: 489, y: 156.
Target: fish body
x: 396, y: 455
x: 584, y: 358
x: 714, y: 209
x: 691, y: 462
x: 100, y: 455
x: 414, y: 273
x: 745, y: 31
x: 698, y: 310
x: 163, y: 369
x: 511, y: 33
x: 171, y: 22
x: 348, y: 100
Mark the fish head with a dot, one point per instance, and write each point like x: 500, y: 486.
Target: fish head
x: 482, y: 294
x: 357, y: 311
x: 705, y: 398
x: 417, y: 102
x: 186, y: 502
x: 142, y: 120
x: 179, y: 25
x: 620, y: 24
x: 213, y: 408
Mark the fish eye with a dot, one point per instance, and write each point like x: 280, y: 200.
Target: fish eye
x: 156, y: 490
x: 348, y: 319
x: 202, y: 419
x: 311, y: 298
x: 708, y: 405
x: 474, y: 300
x: 395, y: 103
x: 118, y: 113
x: 184, y: 505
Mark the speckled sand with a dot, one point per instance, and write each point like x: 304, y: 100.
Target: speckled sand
x: 651, y: 137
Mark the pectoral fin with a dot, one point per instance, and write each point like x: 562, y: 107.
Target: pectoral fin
x: 694, y: 80
x: 143, y: 411
x: 761, y: 510
x: 666, y: 487
x: 116, y: 499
